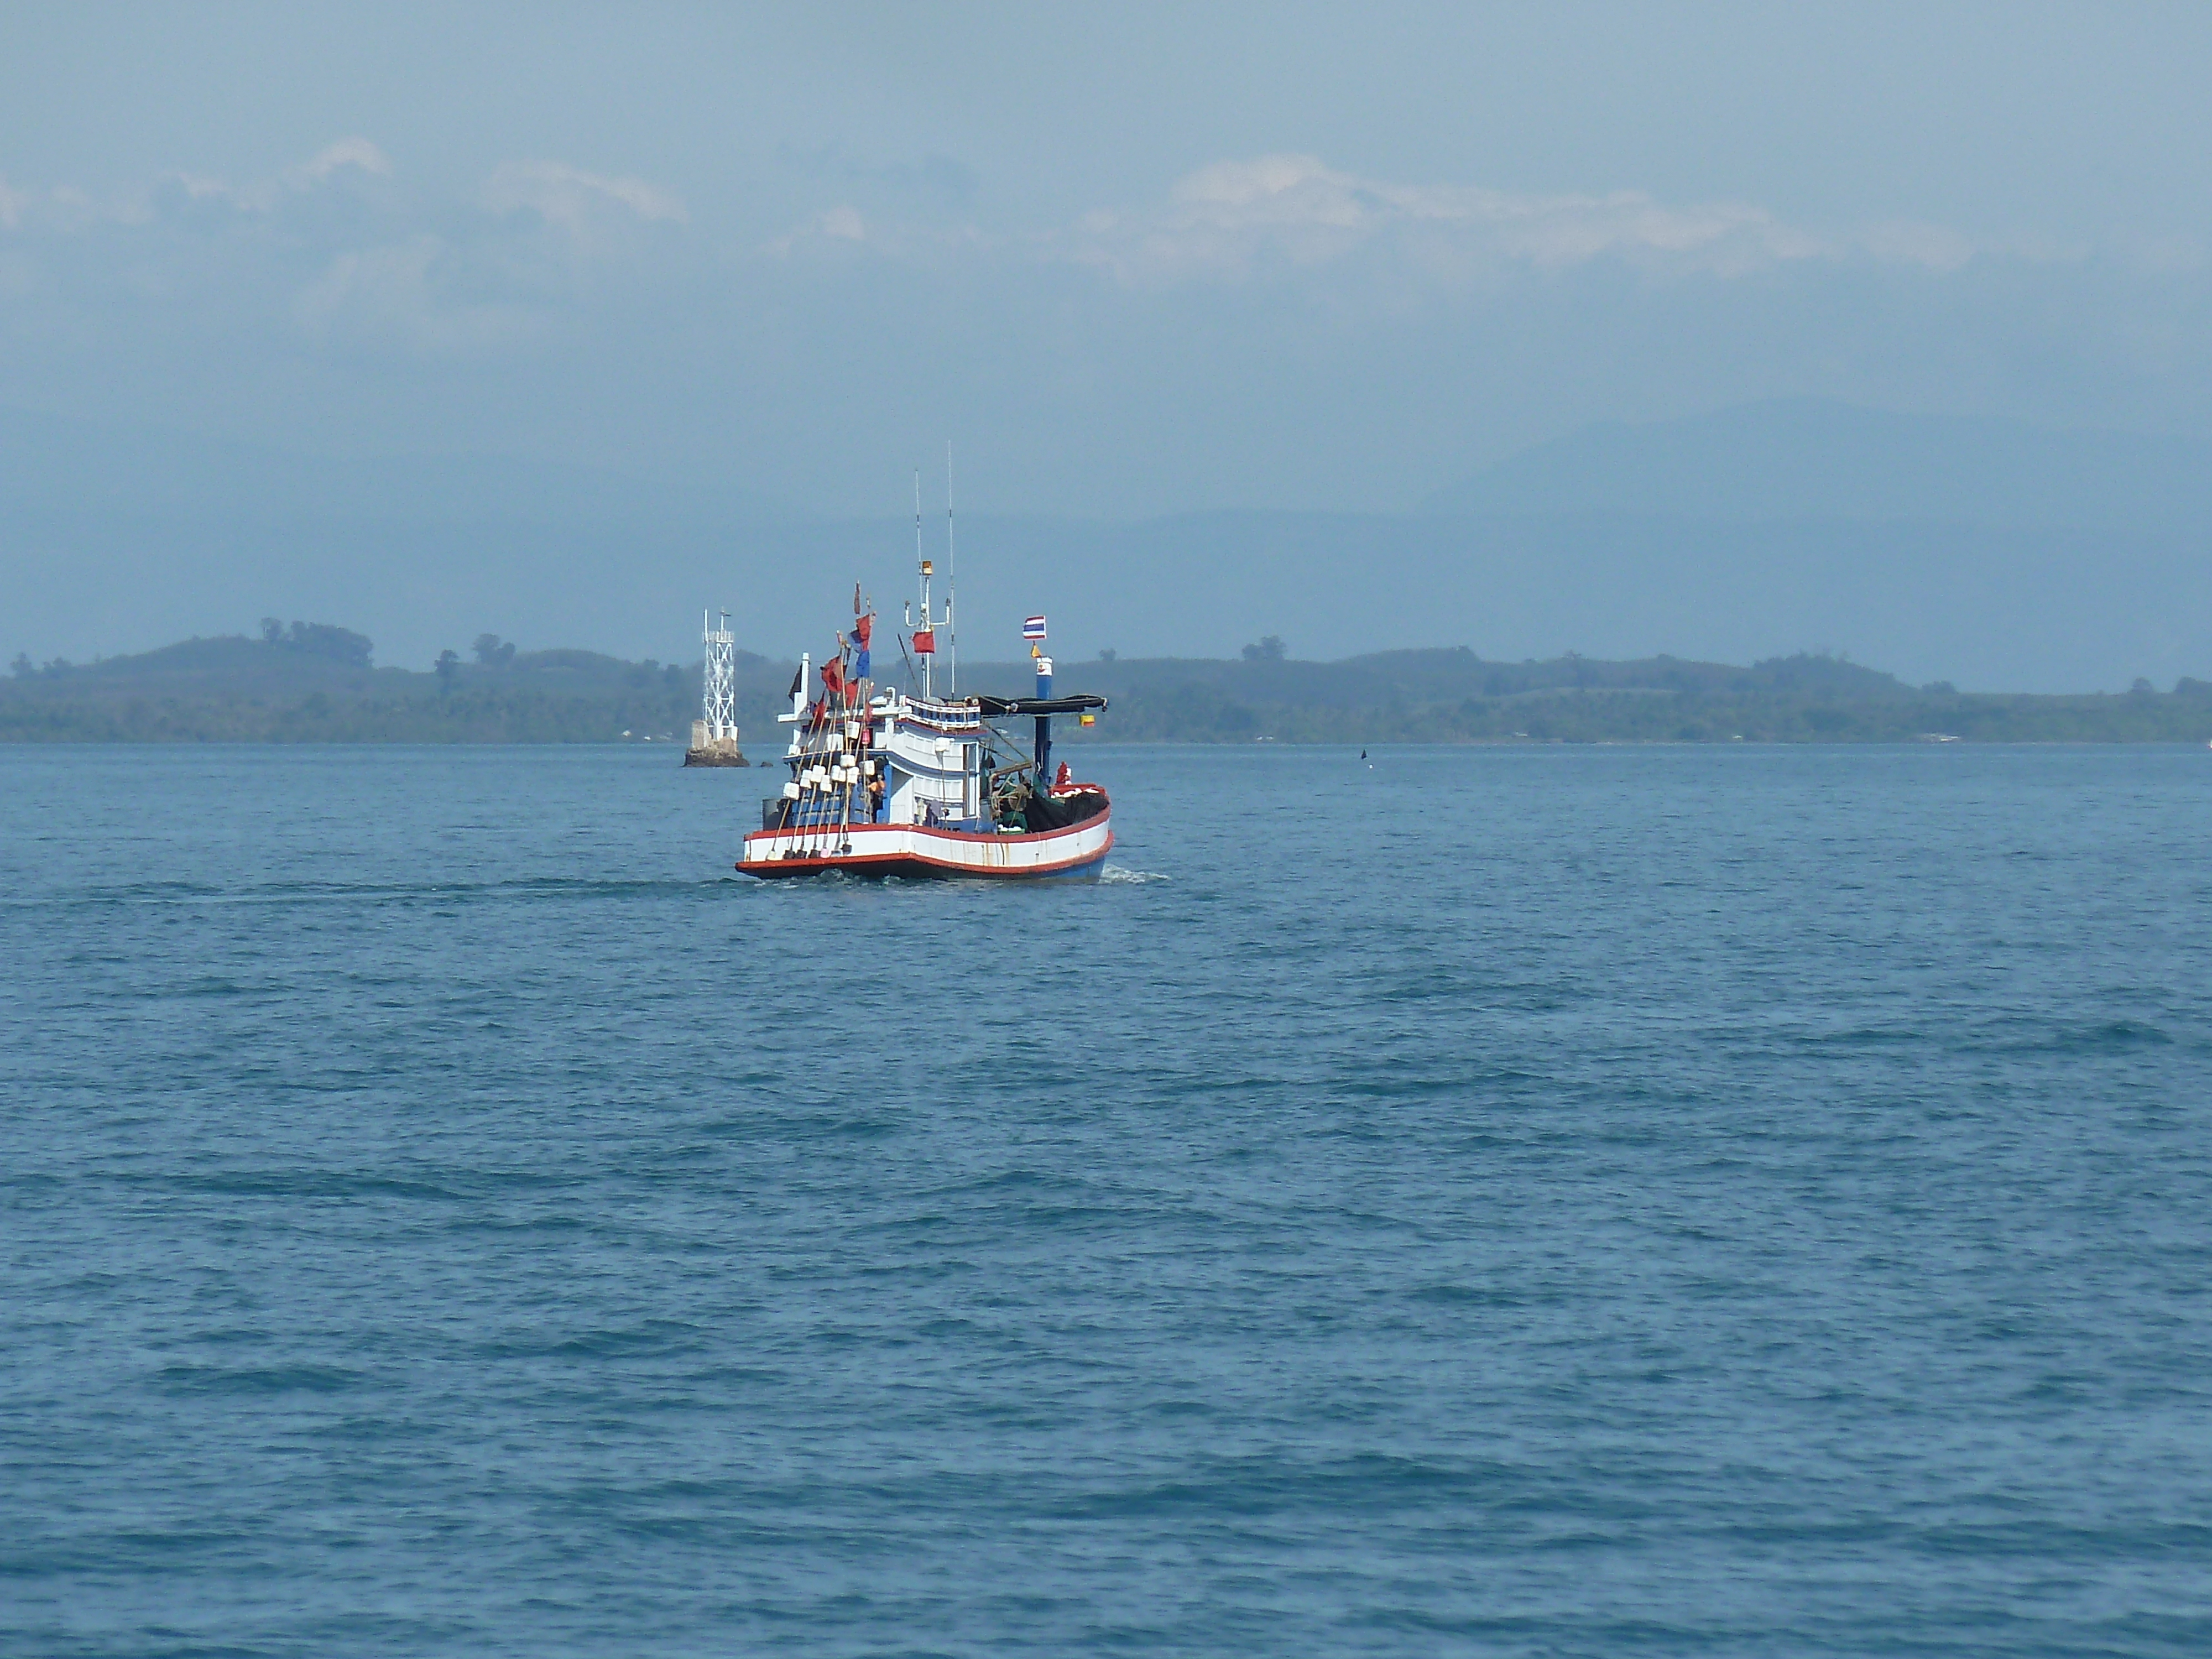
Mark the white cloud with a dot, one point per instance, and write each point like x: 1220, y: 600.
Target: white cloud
x: 394, y: 291
x: 355, y: 152
x: 63, y: 207
x: 837, y: 224
x: 574, y: 200
x: 387, y: 282
x: 264, y: 196
x: 1226, y: 218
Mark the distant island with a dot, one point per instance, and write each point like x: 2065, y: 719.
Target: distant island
x: 317, y: 682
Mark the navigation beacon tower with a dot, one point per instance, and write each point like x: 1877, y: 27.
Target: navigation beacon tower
x: 714, y: 734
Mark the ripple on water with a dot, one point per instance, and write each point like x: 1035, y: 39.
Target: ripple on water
x: 1686, y: 1202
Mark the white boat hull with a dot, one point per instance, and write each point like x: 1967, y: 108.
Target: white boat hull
x: 1077, y: 852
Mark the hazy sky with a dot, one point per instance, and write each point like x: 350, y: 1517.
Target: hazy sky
x: 1136, y: 259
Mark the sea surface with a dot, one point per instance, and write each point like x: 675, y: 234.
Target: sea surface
x: 1525, y: 1201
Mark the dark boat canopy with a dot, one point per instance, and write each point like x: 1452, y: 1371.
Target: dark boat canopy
x: 1075, y: 703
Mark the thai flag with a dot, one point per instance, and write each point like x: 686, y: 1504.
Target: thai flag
x: 1033, y: 627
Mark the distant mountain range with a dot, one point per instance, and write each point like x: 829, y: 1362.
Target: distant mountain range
x: 1984, y: 552
x: 1796, y: 460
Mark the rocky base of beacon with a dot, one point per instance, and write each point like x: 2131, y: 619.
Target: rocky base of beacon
x: 719, y: 750
x: 716, y: 755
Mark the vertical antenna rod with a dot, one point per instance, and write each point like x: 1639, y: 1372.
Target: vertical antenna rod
x: 952, y: 575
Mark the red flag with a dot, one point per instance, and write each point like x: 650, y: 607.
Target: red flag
x: 833, y: 675
x: 862, y: 629
x: 925, y: 643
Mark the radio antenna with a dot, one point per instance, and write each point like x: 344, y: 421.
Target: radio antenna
x: 951, y: 573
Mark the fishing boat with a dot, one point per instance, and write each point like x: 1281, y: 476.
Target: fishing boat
x: 899, y: 781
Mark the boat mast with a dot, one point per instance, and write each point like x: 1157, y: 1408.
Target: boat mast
x: 952, y: 576
x: 927, y: 657
x: 1041, y: 746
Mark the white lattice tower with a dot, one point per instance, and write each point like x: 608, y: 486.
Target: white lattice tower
x: 718, y: 692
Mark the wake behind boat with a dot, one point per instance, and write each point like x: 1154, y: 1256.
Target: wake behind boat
x: 890, y: 782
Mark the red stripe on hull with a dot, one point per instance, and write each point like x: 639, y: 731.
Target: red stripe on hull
x: 906, y: 863
x: 911, y: 860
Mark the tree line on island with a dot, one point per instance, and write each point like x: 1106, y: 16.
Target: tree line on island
x: 316, y: 682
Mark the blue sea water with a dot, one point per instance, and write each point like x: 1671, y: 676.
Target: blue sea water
x: 1498, y: 1201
